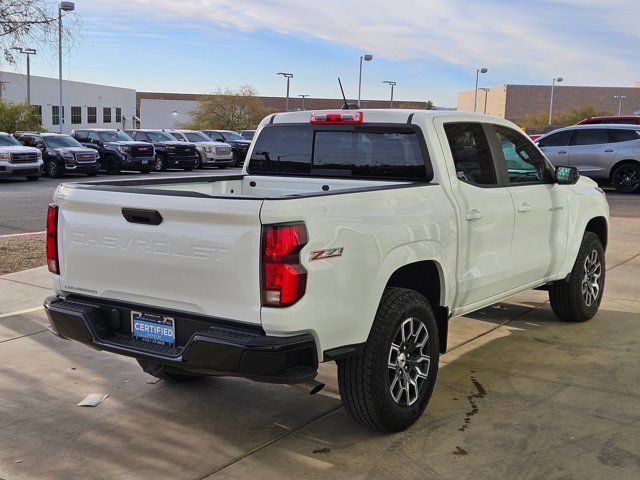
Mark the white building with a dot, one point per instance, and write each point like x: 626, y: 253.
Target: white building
x: 85, y: 105
x: 165, y: 110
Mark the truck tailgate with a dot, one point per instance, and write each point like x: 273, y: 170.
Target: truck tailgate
x: 203, y: 257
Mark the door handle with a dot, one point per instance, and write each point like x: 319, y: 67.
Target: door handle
x: 524, y: 207
x: 609, y: 150
x: 474, y: 215
x: 562, y: 151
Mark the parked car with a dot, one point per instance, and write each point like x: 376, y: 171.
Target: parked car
x: 622, y: 119
x: 608, y: 153
x: 16, y: 160
x: 248, y: 134
x: 170, y: 153
x: 353, y: 236
x: 117, y: 150
x: 62, y: 154
x: 218, y: 154
x: 239, y: 144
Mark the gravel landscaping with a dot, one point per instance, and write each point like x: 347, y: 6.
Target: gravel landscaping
x: 22, y: 252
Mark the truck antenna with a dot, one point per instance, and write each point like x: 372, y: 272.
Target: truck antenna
x: 345, y: 105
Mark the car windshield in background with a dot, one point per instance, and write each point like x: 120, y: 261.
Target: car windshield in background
x: 360, y: 151
x: 248, y: 134
x: 8, y: 141
x: 116, y: 136
x: 232, y: 136
x: 197, y: 137
x: 61, y: 141
x: 160, y: 137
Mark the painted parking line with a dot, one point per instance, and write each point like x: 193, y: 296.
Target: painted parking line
x: 21, y: 312
x: 22, y: 234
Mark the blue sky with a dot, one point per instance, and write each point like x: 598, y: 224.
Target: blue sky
x: 431, y: 48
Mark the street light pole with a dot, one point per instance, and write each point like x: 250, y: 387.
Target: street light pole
x: 620, y: 97
x: 553, y: 84
x: 28, y: 52
x: 288, y: 76
x: 486, y: 92
x: 393, y: 84
x: 366, y: 58
x: 475, y: 92
x: 66, y: 7
x: 303, y: 97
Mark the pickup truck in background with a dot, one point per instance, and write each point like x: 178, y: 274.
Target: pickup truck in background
x: 17, y: 160
x: 170, y: 153
x: 350, y: 236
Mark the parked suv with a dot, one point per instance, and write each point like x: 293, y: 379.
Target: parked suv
x: 17, y: 160
x: 239, y: 144
x: 117, y: 150
x: 622, y: 119
x: 62, y: 153
x: 603, y: 152
x: 170, y: 153
x: 211, y: 153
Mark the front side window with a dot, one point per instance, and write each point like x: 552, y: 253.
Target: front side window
x: 590, y: 136
x: 76, y: 115
x: 91, y: 115
x: 106, y: 115
x: 118, y: 115
x: 560, y: 139
x: 471, y: 153
x: 524, y: 163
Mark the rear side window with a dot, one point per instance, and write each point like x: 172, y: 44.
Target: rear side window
x: 388, y: 152
x: 620, y: 135
x: 471, y: 153
x: 590, y: 136
x: 560, y: 139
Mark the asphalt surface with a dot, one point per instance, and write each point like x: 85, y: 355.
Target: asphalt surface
x: 24, y: 203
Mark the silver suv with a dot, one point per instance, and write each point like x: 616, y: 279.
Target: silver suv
x: 605, y: 152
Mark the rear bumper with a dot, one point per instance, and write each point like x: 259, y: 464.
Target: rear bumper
x: 203, y: 344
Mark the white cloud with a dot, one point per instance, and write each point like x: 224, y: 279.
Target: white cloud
x: 587, y: 41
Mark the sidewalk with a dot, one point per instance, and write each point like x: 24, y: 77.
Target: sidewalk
x: 519, y: 395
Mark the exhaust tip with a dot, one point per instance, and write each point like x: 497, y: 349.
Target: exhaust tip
x: 310, y: 387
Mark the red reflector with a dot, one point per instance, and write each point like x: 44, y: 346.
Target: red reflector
x: 284, y: 280
x: 52, y: 239
x: 349, y: 118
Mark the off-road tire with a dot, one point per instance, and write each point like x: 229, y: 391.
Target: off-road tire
x: 364, y: 379
x: 165, y: 373
x: 567, y: 297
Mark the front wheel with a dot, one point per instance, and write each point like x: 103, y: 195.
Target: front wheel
x: 577, y: 299
x: 388, y: 385
x: 53, y: 169
x: 160, y: 165
x: 626, y: 178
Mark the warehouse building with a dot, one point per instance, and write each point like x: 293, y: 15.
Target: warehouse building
x: 516, y: 102
x: 85, y: 105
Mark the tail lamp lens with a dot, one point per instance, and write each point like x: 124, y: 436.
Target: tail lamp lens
x: 52, y: 239
x: 284, y: 279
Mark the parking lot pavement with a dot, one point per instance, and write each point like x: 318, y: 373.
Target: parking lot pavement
x: 519, y: 395
x: 24, y: 203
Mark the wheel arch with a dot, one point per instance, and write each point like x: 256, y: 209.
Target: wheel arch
x: 600, y: 227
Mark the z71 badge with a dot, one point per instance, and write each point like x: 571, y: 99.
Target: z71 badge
x: 326, y: 253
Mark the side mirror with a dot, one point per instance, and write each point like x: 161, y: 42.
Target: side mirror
x: 567, y: 175
x: 40, y: 146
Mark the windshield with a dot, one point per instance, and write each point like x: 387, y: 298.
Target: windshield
x: 160, y: 137
x: 114, y: 136
x: 8, y: 141
x: 248, y: 134
x: 232, y: 136
x: 61, y: 141
x: 362, y: 151
x: 197, y: 137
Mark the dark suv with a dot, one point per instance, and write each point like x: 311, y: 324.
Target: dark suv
x: 62, y: 153
x: 117, y: 150
x: 170, y: 153
x: 239, y: 144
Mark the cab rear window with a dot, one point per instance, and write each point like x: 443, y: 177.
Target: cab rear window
x: 385, y: 152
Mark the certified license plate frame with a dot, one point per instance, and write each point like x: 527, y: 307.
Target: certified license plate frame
x: 153, y: 328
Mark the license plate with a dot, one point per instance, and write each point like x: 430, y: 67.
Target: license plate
x: 145, y: 161
x: 153, y: 328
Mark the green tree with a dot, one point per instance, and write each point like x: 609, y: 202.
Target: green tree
x: 18, y: 116
x: 539, y: 120
x: 228, y: 109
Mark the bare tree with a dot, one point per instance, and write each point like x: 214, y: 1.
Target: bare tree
x: 33, y: 23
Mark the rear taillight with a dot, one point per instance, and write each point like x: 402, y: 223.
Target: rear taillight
x: 333, y: 118
x: 52, y: 239
x: 283, y: 278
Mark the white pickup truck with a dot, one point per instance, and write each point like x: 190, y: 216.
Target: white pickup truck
x: 350, y: 236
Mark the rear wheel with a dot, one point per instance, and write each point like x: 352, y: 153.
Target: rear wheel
x: 388, y: 385
x: 166, y: 373
x: 626, y: 178
x: 577, y: 299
